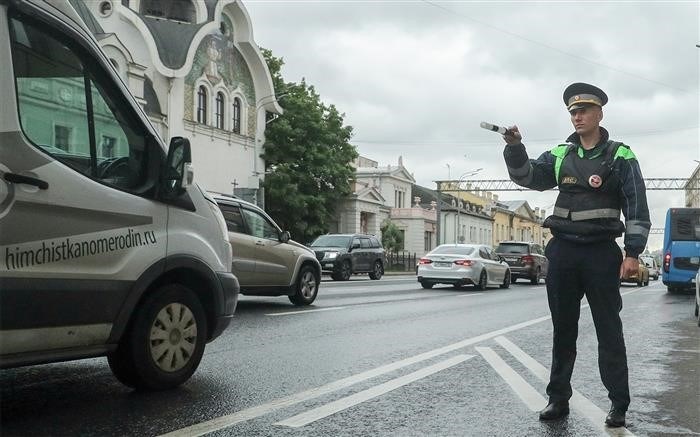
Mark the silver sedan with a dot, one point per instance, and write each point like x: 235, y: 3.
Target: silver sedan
x: 463, y: 264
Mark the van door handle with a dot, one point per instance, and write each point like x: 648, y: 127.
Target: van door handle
x: 21, y: 179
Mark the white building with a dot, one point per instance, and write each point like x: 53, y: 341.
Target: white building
x: 194, y: 66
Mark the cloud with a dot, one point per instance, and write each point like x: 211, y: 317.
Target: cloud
x: 415, y: 79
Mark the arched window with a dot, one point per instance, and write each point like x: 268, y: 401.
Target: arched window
x: 219, y: 117
x: 237, y: 115
x: 202, y: 105
x: 180, y: 10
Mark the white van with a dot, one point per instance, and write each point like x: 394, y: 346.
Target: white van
x: 106, y: 246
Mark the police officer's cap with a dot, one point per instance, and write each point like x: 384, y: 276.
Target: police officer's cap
x: 579, y: 95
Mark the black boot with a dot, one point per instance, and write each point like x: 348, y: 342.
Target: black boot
x: 555, y: 410
x: 616, y: 418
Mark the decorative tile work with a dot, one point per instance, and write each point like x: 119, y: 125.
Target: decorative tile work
x: 220, y: 61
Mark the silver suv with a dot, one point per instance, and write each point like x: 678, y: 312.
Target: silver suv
x: 265, y: 260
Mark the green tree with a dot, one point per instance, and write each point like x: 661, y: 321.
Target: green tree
x: 392, y: 237
x: 307, y: 156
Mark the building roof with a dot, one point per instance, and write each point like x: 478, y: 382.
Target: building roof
x: 427, y: 195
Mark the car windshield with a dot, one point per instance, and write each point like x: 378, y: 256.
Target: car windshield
x: 453, y: 250
x: 331, y: 241
x: 511, y: 248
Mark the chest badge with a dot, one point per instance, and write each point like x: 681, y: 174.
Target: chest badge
x: 569, y: 180
x: 595, y: 181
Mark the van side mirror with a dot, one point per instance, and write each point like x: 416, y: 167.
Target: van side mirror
x: 178, y: 168
x: 285, y: 236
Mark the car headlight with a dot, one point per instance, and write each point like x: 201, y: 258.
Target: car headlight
x: 331, y: 255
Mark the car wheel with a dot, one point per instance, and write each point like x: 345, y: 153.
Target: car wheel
x: 425, y: 284
x: 640, y: 283
x: 697, y: 309
x: 164, y: 342
x: 377, y: 271
x: 482, y: 281
x: 345, y: 271
x: 506, y: 281
x: 306, y: 288
x: 535, y: 280
x: 513, y: 279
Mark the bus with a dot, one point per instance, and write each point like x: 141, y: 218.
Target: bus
x: 681, y: 248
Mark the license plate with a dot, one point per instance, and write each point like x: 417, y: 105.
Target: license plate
x: 511, y: 259
x: 439, y: 264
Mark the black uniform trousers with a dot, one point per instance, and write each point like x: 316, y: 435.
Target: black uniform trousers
x: 593, y: 270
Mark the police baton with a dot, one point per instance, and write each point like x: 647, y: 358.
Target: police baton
x: 499, y: 129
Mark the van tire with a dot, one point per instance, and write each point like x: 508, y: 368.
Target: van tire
x: 134, y: 362
x: 306, y: 288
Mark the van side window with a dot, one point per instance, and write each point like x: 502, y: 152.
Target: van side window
x: 259, y: 226
x: 364, y: 243
x: 233, y: 218
x: 65, y: 109
x: 375, y: 242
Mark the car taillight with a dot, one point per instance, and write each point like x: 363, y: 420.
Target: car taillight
x: 527, y: 259
x: 425, y: 261
x: 667, y: 262
x: 464, y: 262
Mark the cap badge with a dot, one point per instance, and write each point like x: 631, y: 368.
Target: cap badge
x: 595, y: 181
x: 577, y: 97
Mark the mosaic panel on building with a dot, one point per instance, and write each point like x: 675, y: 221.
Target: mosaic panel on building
x: 220, y: 62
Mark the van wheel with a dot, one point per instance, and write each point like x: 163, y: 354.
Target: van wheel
x: 165, y: 341
x: 306, y: 287
x: 377, y: 271
x: 482, y: 281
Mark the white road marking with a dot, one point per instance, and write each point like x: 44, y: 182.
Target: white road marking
x: 577, y: 401
x: 229, y: 420
x: 287, y: 313
x: 365, y: 395
x: 470, y: 294
x: 525, y: 391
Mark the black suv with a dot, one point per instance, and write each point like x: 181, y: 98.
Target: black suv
x: 342, y: 255
x: 526, y: 260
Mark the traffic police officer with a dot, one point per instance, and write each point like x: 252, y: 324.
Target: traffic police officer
x: 597, y: 178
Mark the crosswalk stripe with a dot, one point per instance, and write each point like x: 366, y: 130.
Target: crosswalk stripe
x: 525, y: 391
x: 577, y: 401
x: 344, y: 403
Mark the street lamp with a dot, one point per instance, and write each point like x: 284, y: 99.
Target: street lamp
x: 459, y: 198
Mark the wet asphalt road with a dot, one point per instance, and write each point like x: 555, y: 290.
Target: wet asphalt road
x: 383, y: 358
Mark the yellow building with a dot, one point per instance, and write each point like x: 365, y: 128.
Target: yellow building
x: 516, y: 221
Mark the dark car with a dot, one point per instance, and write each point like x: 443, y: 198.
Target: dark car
x: 526, y: 260
x: 343, y: 255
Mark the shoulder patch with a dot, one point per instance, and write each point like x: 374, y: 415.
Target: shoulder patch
x: 560, y: 151
x: 624, y: 152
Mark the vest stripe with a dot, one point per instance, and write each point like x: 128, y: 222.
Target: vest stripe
x: 595, y: 214
x: 561, y: 212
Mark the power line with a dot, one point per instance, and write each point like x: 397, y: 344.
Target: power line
x: 539, y: 43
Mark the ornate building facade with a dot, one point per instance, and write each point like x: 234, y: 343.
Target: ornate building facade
x: 197, y: 71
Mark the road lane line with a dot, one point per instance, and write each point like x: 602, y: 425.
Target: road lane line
x: 467, y: 295
x: 344, y: 403
x: 229, y: 420
x: 287, y: 313
x: 577, y: 401
x: 525, y: 391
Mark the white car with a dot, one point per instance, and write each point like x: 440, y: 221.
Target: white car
x: 463, y: 264
x: 697, y: 296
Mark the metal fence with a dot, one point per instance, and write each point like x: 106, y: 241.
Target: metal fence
x: 401, y: 261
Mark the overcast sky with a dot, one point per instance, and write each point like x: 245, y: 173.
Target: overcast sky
x: 415, y: 79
